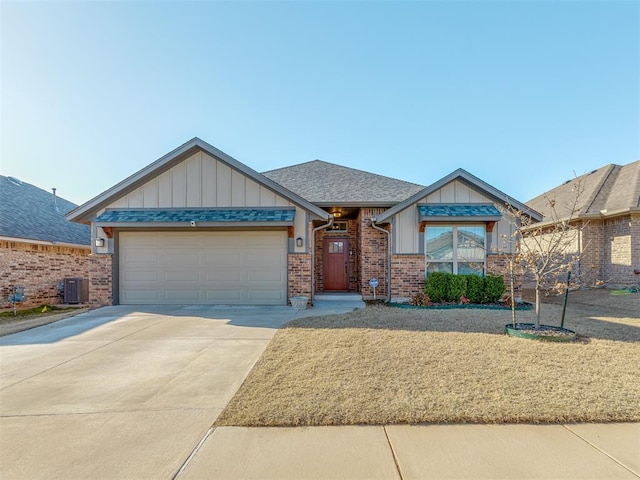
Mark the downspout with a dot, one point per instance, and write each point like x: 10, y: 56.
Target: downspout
x: 373, y: 224
x: 313, y: 254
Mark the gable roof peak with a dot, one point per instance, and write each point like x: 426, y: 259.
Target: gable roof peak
x: 83, y: 213
x: 328, y: 183
x: 470, y: 180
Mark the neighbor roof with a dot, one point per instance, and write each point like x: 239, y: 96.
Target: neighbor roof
x: 29, y: 212
x: 328, y: 184
x: 609, y: 190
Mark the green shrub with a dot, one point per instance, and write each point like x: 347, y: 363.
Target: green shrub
x: 436, y: 286
x: 457, y: 288
x: 493, y: 288
x: 475, y: 288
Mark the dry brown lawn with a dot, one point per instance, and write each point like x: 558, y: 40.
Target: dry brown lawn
x: 384, y: 365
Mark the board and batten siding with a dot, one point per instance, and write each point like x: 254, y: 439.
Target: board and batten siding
x: 407, y: 221
x: 202, y: 181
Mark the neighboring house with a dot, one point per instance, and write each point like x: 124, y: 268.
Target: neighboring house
x: 608, y: 213
x: 39, y: 247
x: 197, y: 226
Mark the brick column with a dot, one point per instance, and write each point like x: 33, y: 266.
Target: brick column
x: 373, y: 254
x: 299, y: 275
x: 100, y: 280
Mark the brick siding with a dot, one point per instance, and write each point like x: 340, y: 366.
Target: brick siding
x: 41, y: 269
x: 372, y: 250
x: 100, y: 280
x: 591, y: 259
x: 299, y: 275
x: 621, y: 250
x: 498, y: 264
x: 407, y: 275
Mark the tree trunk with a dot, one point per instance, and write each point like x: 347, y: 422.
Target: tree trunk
x: 537, y: 306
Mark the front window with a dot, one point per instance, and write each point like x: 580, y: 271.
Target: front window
x: 455, y: 249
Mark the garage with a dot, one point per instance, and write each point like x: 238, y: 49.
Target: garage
x: 204, y: 267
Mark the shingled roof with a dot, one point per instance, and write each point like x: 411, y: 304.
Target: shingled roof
x: 609, y: 190
x: 28, y: 212
x: 326, y: 184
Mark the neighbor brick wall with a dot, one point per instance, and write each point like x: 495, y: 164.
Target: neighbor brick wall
x: 373, y: 253
x: 407, y: 275
x: 621, y: 244
x: 100, y: 280
x: 299, y: 275
x: 41, y: 269
x: 592, y: 242
x: 498, y: 264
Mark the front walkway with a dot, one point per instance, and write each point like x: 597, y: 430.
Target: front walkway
x: 568, y: 452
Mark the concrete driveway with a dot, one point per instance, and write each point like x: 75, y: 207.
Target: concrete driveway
x: 125, y: 392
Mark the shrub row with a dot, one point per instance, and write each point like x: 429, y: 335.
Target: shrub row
x: 447, y: 287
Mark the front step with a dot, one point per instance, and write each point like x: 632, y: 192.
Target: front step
x: 338, y: 297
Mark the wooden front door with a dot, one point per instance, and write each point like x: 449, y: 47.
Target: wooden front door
x: 336, y: 262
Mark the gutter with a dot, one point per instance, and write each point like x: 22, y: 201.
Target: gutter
x: 313, y: 254
x: 388, y: 233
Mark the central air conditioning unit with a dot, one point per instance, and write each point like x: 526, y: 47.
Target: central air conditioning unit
x: 76, y: 290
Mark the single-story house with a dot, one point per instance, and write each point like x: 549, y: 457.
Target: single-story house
x: 198, y: 226
x: 607, y: 210
x: 39, y: 247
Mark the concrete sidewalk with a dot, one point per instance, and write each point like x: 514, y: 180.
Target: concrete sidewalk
x: 577, y: 451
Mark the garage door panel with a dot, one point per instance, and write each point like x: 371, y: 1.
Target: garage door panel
x: 203, y: 267
x: 171, y: 259
x: 182, y: 276
x: 135, y: 296
x: 265, y: 276
x: 226, y: 295
x: 182, y: 296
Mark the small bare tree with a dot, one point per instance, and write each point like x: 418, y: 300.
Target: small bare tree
x: 545, y: 251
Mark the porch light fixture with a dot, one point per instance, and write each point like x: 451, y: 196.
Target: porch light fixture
x: 299, y: 242
x: 99, y: 242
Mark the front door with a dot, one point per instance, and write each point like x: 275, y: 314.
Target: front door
x: 336, y: 262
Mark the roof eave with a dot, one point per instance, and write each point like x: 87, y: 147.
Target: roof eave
x: 45, y: 242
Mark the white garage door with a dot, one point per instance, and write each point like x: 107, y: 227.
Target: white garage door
x: 236, y: 268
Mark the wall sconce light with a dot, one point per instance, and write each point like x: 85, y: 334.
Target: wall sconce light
x: 99, y: 242
x: 299, y: 242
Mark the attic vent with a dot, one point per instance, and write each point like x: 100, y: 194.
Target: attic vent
x: 592, y: 171
x: 568, y: 181
x: 17, y: 182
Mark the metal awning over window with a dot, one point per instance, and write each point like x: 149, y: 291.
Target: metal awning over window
x: 166, y: 217
x: 457, y: 212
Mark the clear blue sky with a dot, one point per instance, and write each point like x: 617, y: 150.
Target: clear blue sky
x: 519, y: 93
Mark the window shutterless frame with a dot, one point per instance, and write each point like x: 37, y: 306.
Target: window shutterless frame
x: 459, y: 249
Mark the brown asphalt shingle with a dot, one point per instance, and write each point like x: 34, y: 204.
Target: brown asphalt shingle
x: 324, y: 182
x: 610, y: 188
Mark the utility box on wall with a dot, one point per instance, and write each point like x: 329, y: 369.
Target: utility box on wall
x: 76, y: 290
